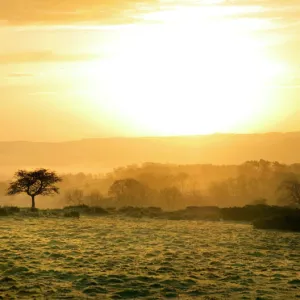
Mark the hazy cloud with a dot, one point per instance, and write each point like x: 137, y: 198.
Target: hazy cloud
x: 44, y: 56
x: 70, y: 11
x: 24, y: 12
x: 39, y: 93
x: 18, y: 75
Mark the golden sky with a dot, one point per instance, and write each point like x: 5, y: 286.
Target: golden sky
x: 90, y: 68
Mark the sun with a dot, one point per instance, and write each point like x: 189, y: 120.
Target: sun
x: 183, y: 78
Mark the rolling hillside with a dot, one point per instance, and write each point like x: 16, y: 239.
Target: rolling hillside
x: 105, y: 153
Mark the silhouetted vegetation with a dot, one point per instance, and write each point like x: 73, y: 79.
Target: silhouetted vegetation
x: 196, y: 213
x: 262, y: 216
x: 34, y: 183
x: 288, y: 222
x: 174, y: 187
x: 250, y: 213
x: 128, y: 191
x: 9, y: 210
x: 140, y: 212
x: 72, y: 214
x: 251, y: 190
x: 88, y: 210
x: 80, y: 208
x: 3, y: 212
x: 291, y: 188
x: 74, y: 197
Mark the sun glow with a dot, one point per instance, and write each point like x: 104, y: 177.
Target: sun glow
x: 185, y: 75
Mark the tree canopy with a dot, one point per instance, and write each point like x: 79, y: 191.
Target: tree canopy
x: 292, y: 189
x: 33, y: 183
x: 127, y: 190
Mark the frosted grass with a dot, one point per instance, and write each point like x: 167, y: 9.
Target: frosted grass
x: 119, y: 258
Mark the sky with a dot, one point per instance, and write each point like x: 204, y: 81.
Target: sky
x: 79, y: 69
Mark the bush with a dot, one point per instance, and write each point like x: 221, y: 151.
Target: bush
x: 139, y: 212
x: 28, y: 212
x: 208, y: 213
x: 12, y: 209
x: 288, y: 222
x: 81, y: 207
x: 111, y: 209
x: 127, y: 209
x: 85, y: 209
x: 250, y: 213
x: 72, y: 214
x: 3, y: 212
x: 133, y: 212
x: 98, y: 211
x: 152, y: 212
x: 211, y: 213
x: 51, y: 213
x: 9, y: 210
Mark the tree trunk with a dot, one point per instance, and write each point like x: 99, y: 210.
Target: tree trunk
x: 32, y: 203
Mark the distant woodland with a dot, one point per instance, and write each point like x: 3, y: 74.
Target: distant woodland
x: 174, y: 187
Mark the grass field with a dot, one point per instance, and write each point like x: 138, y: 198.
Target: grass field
x: 122, y: 258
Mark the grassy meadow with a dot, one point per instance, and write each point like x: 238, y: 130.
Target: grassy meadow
x: 116, y: 257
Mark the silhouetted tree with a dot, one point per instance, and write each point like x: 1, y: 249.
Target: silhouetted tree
x: 172, y: 196
x: 74, y: 197
x: 34, y: 183
x: 292, y: 189
x: 129, y: 191
x: 221, y: 192
x: 95, y: 198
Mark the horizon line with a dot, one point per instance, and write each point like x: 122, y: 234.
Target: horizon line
x: 151, y: 137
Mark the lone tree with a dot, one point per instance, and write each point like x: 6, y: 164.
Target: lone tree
x: 33, y: 183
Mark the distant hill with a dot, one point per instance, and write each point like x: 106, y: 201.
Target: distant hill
x: 104, y: 153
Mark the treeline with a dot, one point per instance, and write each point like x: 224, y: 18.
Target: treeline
x: 178, y: 186
x: 174, y: 187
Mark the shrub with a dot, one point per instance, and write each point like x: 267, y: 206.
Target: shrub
x: 288, y: 222
x: 72, y: 214
x: 208, y: 213
x: 127, y: 209
x: 155, y: 209
x: 12, y: 209
x: 175, y: 215
x: 111, y: 209
x: 152, y: 212
x: 98, y: 211
x: 133, y: 212
x: 85, y: 209
x: 30, y: 213
x: 252, y: 212
x: 3, y: 212
x: 9, y: 210
x: 51, y: 213
x: 139, y: 212
x: 211, y: 213
x: 77, y: 207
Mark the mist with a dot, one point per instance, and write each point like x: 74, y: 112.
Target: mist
x: 149, y: 149
x: 172, y: 186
